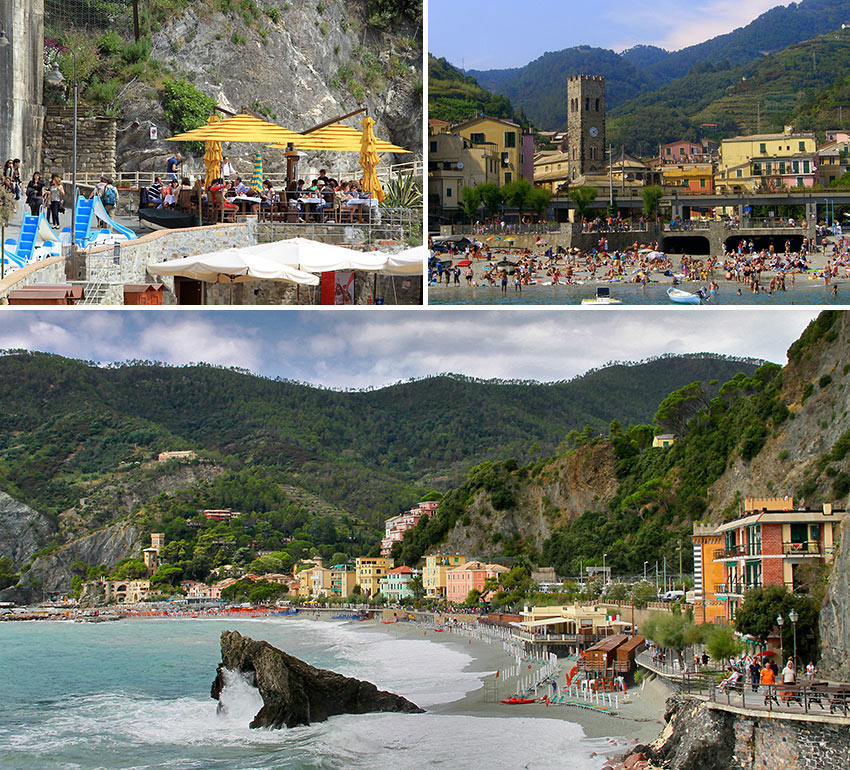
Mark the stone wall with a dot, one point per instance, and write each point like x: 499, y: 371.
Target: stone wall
x: 101, y: 265
x: 21, y: 80
x: 50, y: 270
x: 95, y: 143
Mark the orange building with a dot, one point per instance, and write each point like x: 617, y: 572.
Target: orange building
x: 707, y: 574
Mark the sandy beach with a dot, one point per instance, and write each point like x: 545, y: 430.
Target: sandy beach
x: 637, y: 721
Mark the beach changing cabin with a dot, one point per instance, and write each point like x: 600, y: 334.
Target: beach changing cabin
x: 625, y: 654
x: 601, y: 657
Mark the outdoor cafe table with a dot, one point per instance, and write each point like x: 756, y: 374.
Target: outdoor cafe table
x: 244, y: 201
x: 311, y: 203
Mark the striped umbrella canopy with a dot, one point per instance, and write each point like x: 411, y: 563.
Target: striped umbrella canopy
x: 212, y: 157
x: 257, y: 178
x: 341, y: 138
x: 240, y: 128
x: 369, y: 160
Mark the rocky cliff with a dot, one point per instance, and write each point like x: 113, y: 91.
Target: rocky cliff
x: 294, y: 692
x: 52, y: 574
x: 835, y: 616
x: 23, y: 531
x: 562, y: 489
x: 316, y: 62
x: 804, y: 457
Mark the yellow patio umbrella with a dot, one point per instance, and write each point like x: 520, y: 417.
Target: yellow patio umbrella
x: 369, y: 160
x: 240, y: 128
x: 212, y: 157
x: 341, y: 138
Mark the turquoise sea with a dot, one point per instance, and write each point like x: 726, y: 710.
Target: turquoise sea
x: 134, y: 695
x: 804, y: 292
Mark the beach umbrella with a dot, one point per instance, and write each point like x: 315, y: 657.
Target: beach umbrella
x: 212, y: 157
x: 257, y: 178
x: 369, y: 160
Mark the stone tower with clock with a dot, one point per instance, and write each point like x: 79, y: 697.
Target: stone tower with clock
x: 585, y: 125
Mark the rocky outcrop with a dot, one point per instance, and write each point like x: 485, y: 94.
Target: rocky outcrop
x: 702, y: 736
x: 315, y: 63
x: 835, y: 616
x: 294, y: 692
x: 816, y: 390
x: 562, y: 490
x: 52, y: 574
x: 23, y: 531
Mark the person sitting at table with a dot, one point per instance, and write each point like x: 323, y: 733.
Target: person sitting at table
x: 268, y: 196
x: 323, y: 177
x: 240, y: 186
x: 733, y: 675
x: 351, y: 200
x: 170, y: 197
x: 154, y: 197
x: 218, y: 186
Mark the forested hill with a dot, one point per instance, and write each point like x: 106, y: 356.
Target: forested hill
x: 775, y: 432
x: 455, y: 97
x: 539, y: 87
x: 67, y: 422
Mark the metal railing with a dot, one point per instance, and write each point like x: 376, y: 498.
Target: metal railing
x: 132, y: 180
x: 734, y: 589
x: 686, y: 226
x: 810, y: 548
x: 393, y: 225
x: 817, y: 697
x: 497, y: 228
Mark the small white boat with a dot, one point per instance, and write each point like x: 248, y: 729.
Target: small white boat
x: 603, y: 297
x: 683, y: 297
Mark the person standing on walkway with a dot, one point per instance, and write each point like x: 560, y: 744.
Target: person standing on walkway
x: 55, y: 200
x: 35, y: 193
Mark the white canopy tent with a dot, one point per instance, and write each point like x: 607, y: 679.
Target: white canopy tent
x: 409, y: 262
x: 232, y: 266
x: 318, y: 257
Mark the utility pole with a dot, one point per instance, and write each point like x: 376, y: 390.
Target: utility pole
x: 681, y: 580
x: 136, y: 31
x: 665, y: 573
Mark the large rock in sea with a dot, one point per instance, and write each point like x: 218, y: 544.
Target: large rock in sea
x: 294, y: 692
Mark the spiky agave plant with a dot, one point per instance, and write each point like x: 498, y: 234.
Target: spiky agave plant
x: 403, y: 192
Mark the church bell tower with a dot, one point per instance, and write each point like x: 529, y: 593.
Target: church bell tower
x: 586, y: 124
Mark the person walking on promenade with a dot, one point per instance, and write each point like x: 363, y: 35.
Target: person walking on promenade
x: 55, y: 199
x: 35, y: 193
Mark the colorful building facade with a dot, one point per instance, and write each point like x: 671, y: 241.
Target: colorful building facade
x: 434, y: 573
x: 767, y: 162
x: 397, y: 584
x: 470, y: 576
x: 395, y: 527
x: 369, y: 571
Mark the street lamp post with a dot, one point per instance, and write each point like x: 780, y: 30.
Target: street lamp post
x: 56, y: 78
x: 793, y: 617
x: 644, y: 570
x: 604, y: 573
x: 780, y: 622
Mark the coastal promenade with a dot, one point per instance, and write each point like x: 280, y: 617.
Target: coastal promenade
x: 819, y: 701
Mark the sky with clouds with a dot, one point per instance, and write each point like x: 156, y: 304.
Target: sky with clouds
x: 495, y: 34
x: 355, y: 349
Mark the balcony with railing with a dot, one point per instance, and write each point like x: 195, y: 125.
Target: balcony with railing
x: 809, y: 548
x: 734, y: 589
x: 737, y: 551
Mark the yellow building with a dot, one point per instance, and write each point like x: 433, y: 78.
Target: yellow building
x: 708, y: 574
x: 454, y: 163
x: 125, y: 591
x: 690, y: 178
x: 343, y: 579
x: 434, y: 573
x: 766, y: 161
x: 567, y: 619
x: 368, y: 573
x: 502, y: 137
x: 551, y: 169
x: 663, y: 440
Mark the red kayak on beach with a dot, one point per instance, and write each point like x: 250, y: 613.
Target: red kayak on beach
x: 514, y: 701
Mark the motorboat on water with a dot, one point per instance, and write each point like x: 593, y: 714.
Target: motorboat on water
x: 603, y: 297
x: 684, y: 297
